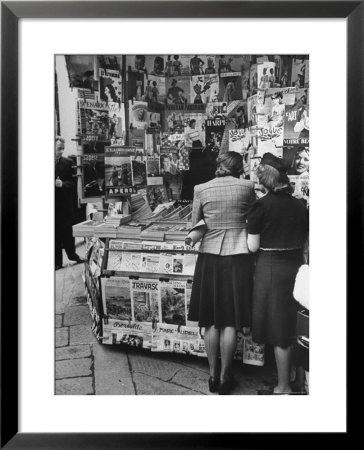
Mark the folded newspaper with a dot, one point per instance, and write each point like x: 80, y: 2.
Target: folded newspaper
x: 196, y: 233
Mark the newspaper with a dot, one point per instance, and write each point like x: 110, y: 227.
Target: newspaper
x: 114, y: 258
x: 129, y: 333
x: 253, y: 353
x: 116, y: 298
x: 173, y: 301
x: 146, y: 306
x: 131, y: 262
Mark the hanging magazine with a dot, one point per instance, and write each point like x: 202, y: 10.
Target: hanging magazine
x: 145, y: 300
x: 116, y: 298
x: 173, y: 301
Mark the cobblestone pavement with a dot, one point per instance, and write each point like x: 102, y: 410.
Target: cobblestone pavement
x: 84, y: 366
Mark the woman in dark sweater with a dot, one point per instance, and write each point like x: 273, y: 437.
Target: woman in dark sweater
x: 278, y: 228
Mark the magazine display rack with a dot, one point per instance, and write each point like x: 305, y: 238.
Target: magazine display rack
x: 139, y: 292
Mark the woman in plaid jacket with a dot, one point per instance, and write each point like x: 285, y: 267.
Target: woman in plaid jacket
x: 222, y: 287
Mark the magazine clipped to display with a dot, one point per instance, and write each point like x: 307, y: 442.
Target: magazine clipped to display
x: 196, y: 233
x: 253, y: 353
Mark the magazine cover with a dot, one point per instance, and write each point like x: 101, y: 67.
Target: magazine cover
x: 185, y: 340
x: 245, y: 75
x: 297, y: 159
x: 136, y: 64
x: 154, y: 120
x: 253, y: 353
x: 188, y: 300
x: 145, y: 300
x: 110, y: 62
x: 154, y: 177
x: 135, y: 334
x: 93, y: 118
x: 180, y: 65
x: 118, y: 172
x: 156, y: 195
x: 155, y: 64
x: 154, y: 89
x: 254, y: 164
x: 202, y: 64
x: 252, y: 106
x: 216, y: 110
x: 138, y: 114
x: 116, y: 121
x: 169, y: 160
x: 237, y: 114
x: 301, y: 185
x: 214, y: 130
x: 174, y: 121
x: 110, y: 85
x: 177, y: 91
x: 307, y: 72
x: 194, y: 129
x: 139, y: 171
x: 239, y: 140
x: 116, y: 298
x: 229, y: 63
x: 253, y: 82
x: 266, y: 75
x: 297, y: 125
x: 270, y: 139
x: 173, y: 299
x: 93, y: 175
x: 135, y: 83
x: 230, y: 87
x: 81, y: 71
x: 163, y: 336
x: 298, y: 72
x: 204, y: 89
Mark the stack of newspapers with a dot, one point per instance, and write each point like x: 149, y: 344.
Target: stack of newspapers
x: 86, y: 228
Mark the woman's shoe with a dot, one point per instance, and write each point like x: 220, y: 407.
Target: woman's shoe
x: 214, y: 384
x: 227, y: 386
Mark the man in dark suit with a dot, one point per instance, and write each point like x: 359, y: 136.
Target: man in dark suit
x: 65, y: 197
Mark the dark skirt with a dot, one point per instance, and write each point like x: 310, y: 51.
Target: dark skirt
x: 222, y: 290
x: 274, y: 308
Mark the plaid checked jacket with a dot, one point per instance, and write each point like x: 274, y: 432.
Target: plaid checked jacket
x: 223, y: 204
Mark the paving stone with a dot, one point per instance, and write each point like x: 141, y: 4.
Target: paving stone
x: 75, y: 386
x: 78, y: 299
x: 59, y: 320
x: 61, y: 337
x: 151, y: 365
x: 149, y: 385
x: 77, y: 351
x: 79, y: 315
x: 192, y: 379
x: 71, y: 368
x: 81, y: 334
x: 60, y: 307
x: 111, y: 370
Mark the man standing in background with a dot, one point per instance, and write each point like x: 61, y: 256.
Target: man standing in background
x: 65, y: 198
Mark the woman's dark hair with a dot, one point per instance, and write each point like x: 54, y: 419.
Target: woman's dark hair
x: 192, y: 121
x: 229, y: 163
x: 112, y: 93
x: 301, y: 110
x: 273, y: 179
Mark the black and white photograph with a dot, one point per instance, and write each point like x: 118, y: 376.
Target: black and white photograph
x: 256, y: 213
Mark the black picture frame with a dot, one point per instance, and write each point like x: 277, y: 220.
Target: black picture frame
x: 11, y: 13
